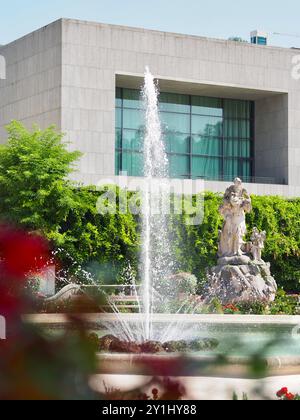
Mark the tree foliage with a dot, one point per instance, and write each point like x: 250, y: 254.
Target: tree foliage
x: 33, y: 171
x: 36, y: 194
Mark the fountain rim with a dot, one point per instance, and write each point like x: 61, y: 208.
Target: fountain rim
x: 275, y: 320
x: 236, y: 366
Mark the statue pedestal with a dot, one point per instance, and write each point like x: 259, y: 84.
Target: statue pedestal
x: 239, y: 260
x: 241, y: 280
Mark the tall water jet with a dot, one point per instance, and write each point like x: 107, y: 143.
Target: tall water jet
x: 157, y: 293
x: 156, y: 256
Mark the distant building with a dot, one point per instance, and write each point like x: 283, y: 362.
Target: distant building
x: 228, y: 108
x: 259, y: 38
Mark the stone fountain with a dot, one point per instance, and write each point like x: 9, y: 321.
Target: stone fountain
x: 241, y: 275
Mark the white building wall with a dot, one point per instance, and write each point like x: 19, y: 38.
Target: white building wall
x: 31, y: 92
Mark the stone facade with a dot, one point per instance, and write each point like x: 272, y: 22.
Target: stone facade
x: 66, y: 73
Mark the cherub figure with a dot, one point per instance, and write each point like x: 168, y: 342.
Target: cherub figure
x: 258, y: 244
x: 236, y: 204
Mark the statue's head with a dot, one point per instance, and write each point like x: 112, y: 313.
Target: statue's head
x: 238, y: 182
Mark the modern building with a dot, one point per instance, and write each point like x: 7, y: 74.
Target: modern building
x: 259, y: 38
x: 228, y: 108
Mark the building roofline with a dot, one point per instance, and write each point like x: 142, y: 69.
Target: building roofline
x: 33, y: 32
x: 145, y: 30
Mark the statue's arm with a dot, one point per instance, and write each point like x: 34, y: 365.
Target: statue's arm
x: 223, y: 209
x: 247, y: 205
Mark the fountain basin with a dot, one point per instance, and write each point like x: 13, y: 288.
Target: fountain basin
x: 193, y: 366
x: 240, y: 338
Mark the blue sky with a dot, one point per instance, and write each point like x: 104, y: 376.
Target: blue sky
x: 214, y: 18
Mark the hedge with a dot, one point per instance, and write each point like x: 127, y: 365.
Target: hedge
x: 113, y: 240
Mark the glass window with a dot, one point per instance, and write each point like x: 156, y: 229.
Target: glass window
x: 231, y: 148
x: 205, y: 137
x: 237, y: 109
x: 246, y: 170
x: 177, y: 123
x: 118, y: 138
x: 245, y: 148
x: 207, y: 126
x: 132, y: 99
x: 119, y: 97
x: 133, y: 140
x: 207, y: 168
x: 179, y: 166
x: 133, y: 119
x: 177, y: 143
x: 237, y: 128
x: 231, y: 128
x: 118, y: 117
x: 207, y: 106
x: 132, y: 163
x: 244, y: 129
x: 231, y: 168
x: 207, y: 146
x: 261, y: 40
x: 237, y: 148
x: 173, y: 102
x: 118, y: 162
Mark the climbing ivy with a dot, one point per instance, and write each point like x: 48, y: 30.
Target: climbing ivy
x: 196, y: 246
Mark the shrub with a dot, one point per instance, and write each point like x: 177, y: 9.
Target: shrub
x: 285, y: 305
x: 182, y: 283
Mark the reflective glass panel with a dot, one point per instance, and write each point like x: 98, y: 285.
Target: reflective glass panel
x: 173, y: 102
x: 133, y: 140
x: 177, y: 123
x: 133, y: 119
x: 208, y: 146
x: 179, y: 166
x: 132, y: 99
x: 207, y: 168
x: 207, y: 126
x: 204, y: 137
x: 177, y: 143
x: 207, y: 106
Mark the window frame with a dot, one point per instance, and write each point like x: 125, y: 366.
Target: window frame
x: 120, y: 105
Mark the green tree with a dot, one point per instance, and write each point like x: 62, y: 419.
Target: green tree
x: 34, y: 190
x: 101, y: 241
x: 36, y: 193
x: 237, y: 39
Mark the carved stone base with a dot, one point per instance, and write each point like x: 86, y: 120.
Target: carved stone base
x: 238, y: 260
x: 241, y: 283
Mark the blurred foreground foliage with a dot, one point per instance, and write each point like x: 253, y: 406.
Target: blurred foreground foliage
x: 35, y: 193
x: 62, y: 364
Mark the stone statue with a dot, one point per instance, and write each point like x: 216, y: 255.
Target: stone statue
x: 258, y: 244
x: 241, y: 276
x: 236, y: 204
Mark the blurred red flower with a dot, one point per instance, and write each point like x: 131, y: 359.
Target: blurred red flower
x: 21, y: 253
x: 282, y: 393
x: 289, y: 396
x: 230, y: 307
